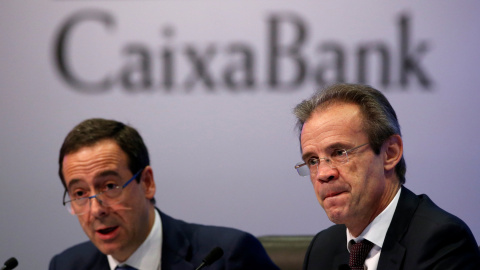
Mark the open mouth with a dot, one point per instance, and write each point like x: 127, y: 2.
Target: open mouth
x: 107, y: 230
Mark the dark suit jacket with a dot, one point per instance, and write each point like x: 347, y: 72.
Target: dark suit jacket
x: 420, y: 236
x: 185, y: 245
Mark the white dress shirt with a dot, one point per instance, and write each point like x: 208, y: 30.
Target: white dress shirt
x: 148, y: 255
x: 375, y: 232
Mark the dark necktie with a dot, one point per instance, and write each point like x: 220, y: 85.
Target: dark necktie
x: 358, y: 254
x: 125, y: 267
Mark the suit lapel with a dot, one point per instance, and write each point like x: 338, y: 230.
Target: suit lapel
x: 176, y: 246
x: 341, y: 259
x: 393, y: 252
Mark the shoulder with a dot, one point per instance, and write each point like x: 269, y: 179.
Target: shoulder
x: 241, y: 250
x: 328, y: 249
x: 334, y: 237
x: 431, y: 218
x: 202, y: 233
x: 432, y: 235
x: 81, y: 256
x: 419, y: 210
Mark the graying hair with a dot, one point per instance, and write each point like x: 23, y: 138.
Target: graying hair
x: 379, y: 118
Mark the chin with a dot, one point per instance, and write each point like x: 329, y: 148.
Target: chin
x: 336, y: 217
x: 107, y: 249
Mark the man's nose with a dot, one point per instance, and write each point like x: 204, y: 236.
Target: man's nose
x: 325, y: 172
x: 97, y: 208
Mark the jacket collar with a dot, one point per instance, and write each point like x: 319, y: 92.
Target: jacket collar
x: 176, y: 248
x: 393, y: 251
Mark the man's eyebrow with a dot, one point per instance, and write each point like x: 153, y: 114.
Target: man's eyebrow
x: 107, y: 173
x: 73, y: 182
x: 97, y: 180
x: 336, y: 145
x: 101, y: 174
x: 307, y: 155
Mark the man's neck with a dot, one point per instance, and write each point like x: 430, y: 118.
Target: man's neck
x: 361, y: 223
x: 148, y: 254
x: 124, y: 255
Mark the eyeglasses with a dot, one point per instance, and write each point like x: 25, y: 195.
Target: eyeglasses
x: 336, y: 158
x: 110, y: 196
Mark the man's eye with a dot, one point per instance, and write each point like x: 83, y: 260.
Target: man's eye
x: 338, y: 153
x: 77, y: 194
x: 312, y: 162
x: 110, y: 186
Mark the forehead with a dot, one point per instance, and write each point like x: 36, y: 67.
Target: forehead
x: 94, y: 160
x: 338, y: 123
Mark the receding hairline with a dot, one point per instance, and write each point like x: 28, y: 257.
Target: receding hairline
x: 319, y: 108
x: 331, y: 103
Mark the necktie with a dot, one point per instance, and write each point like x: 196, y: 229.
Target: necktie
x: 358, y: 254
x: 125, y: 267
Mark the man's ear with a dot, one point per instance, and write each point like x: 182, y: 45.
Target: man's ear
x: 148, y: 182
x: 393, y: 150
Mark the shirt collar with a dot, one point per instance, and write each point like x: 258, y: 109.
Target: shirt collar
x: 376, y: 231
x: 148, y: 255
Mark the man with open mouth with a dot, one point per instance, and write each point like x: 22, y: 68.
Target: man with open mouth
x: 109, y: 186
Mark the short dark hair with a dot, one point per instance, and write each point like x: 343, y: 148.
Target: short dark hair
x: 379, y: 118
x: 91, y: 131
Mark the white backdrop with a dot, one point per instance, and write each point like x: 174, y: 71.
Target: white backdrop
x: 223, y: 155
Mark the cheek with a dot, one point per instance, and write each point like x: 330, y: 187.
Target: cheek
x: 359, y: 172
x: 371, y: 184
x: 121, y: 207
x: 352, y: 168
x: 315, y: 184
x: 83, y: 220
x: 351, y: 176
x: 317, y: 187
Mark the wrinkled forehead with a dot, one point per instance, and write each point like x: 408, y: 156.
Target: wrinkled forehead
x: 336, y: 114
x: 94, y: 160
x: 336, y: 122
